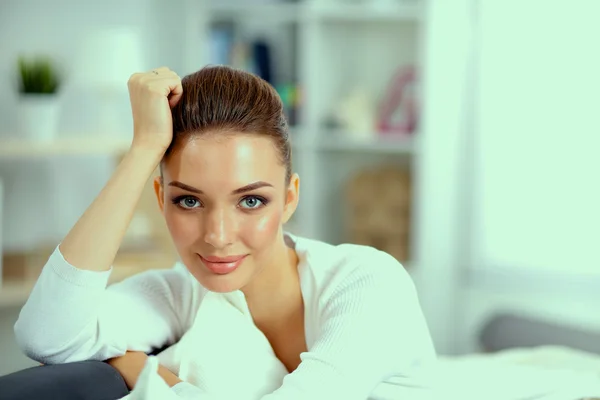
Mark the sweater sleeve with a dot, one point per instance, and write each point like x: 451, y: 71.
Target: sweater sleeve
x: 71, y: 315
x: 372, y: 328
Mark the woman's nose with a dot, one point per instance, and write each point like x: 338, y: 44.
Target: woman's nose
x: 219, y: 229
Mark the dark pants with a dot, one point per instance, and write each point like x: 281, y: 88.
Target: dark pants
x: 86, y: 380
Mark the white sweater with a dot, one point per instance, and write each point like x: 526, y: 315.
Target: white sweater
x: 363, y: 321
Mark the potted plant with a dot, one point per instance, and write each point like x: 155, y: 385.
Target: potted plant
x: 39, y: 110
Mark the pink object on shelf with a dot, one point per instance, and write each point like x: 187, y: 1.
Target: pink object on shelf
x: 398, y: 114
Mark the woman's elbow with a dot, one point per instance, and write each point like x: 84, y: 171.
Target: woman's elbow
x: 27, y: 341
x: 39, y: 346
x: 35, y: 340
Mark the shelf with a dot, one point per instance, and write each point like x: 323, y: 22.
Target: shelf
x: 14, y: 293
x: 333, y: 141
x: 114, y: 147
x: 272, y: 11
x: 76, y: 146
x: 380, y: 145
x: 293, y: 12
x: 408, y: 11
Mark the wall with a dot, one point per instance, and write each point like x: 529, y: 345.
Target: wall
x: 45, y: 197
x: 533, y: 226
x: 440, y: 169
x: 12, y: 358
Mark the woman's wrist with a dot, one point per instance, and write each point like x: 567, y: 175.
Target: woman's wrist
x: 149, y: 142
x: 146, y: 155
x: 150, y: 149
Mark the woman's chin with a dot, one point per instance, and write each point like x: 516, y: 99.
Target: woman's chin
x: 221, y: 287
x: 219, y: 283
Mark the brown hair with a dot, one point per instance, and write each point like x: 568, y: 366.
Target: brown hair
x: 222, y: 100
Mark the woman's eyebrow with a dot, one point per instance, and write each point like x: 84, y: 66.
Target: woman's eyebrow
x: 185, y: 187
x: 252, y: 186
x: 244, y: 189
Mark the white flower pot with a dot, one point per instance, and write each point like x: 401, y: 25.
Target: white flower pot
x: 1, y: 227
x: 39, y: 116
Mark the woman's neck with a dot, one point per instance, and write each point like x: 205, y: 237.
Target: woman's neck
x: 275, y: 295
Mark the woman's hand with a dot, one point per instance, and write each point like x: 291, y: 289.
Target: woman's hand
x: 131, y: 365
x: 152, y: 95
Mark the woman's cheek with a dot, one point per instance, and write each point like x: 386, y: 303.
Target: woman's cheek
x: 183, y: 227
x: 262, y: 229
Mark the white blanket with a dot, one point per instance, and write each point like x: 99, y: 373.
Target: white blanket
x: 225, y: 356
x: 545, y: 373
x: 524, y: 374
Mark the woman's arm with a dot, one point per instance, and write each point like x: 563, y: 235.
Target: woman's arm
x: 93, y: 242
x: 69, y: 315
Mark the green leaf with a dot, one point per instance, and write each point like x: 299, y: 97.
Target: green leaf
x: 38, y: 76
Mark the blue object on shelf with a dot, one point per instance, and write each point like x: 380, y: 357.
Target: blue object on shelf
x: 262, y: 61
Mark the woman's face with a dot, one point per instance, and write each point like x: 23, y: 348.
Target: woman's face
x: 225, y: 199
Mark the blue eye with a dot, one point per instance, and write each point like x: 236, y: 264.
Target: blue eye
x: 186, y: 202
x: 253, y: 202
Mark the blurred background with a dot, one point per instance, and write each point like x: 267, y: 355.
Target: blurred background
x: 460, y: 136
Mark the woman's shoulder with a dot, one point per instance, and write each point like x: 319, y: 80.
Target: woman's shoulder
x: 344, y: 256
x: 350, y: 281
x: 331, y: 266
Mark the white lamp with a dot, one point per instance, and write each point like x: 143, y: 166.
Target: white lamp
x: 105, y: 61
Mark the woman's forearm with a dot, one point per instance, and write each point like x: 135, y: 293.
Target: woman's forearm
x: 94, y: 240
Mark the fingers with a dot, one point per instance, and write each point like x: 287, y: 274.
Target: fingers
x: 163, y: 69
x: 162, y: 80
x: 154, y: 75
x: 176, y: 93
x: 174, y: 84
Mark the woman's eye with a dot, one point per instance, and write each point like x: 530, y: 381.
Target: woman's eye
x: 252, y: 202
x: 187, y: 202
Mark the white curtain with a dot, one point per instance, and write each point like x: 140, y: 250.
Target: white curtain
x: 536, y: 176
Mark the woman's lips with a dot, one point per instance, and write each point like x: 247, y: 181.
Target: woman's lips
x: 222, y: 265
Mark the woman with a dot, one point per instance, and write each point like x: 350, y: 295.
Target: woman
x: 340, y: 319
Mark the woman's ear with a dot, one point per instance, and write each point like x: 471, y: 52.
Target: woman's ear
x: 291, y: 198
x: 158, y: 190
